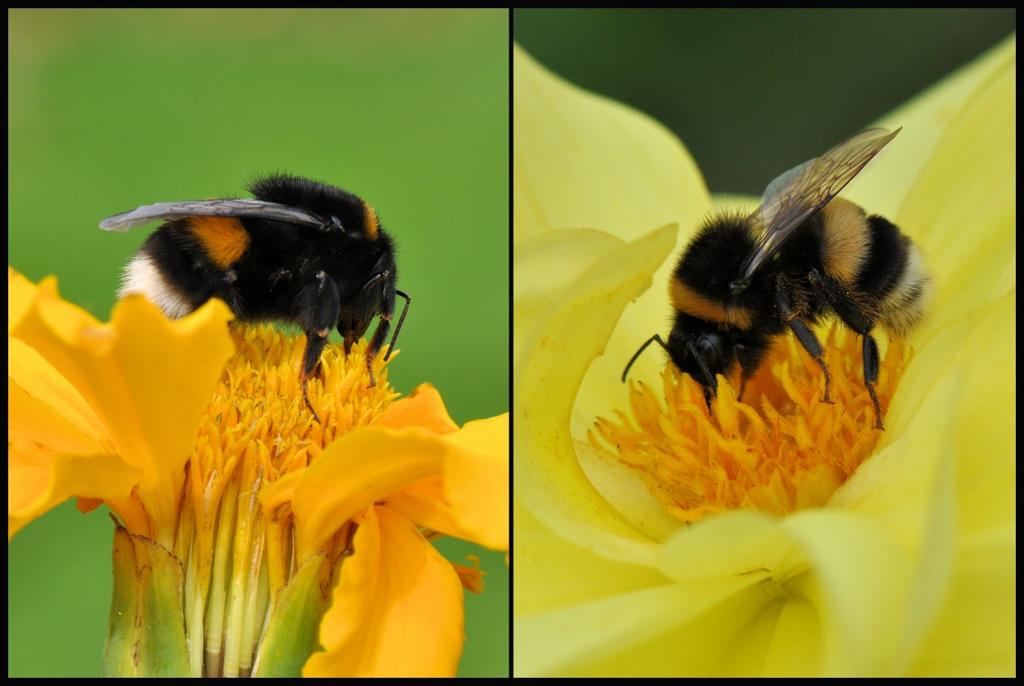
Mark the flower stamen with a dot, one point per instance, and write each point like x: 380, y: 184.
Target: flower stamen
x: 257, y: 430
x: 779, y: 450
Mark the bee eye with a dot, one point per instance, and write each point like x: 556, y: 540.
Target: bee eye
x: 707, y: 344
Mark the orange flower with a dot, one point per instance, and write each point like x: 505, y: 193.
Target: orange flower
x: 248, y: 534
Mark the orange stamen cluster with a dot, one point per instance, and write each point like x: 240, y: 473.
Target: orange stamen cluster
x: 778, y: 450
x: 258, y: 429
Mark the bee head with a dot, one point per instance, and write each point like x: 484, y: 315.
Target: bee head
x: 376, y: 295
x: 701, y: 349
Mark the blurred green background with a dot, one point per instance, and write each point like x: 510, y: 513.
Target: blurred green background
x: 113, y: 109
x: 753, y: 92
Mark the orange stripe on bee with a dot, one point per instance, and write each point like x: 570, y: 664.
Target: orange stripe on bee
x: 224, y: 238
x: 847, y: 240
x: 370, y: 221
x: 687, y: 300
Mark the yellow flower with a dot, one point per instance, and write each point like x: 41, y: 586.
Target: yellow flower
x: 250, y: 538
x: 903, y: 566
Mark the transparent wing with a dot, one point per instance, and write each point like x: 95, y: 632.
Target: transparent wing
x: 794, y: 196
x: 163, y: 211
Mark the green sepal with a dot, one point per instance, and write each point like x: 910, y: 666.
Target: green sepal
x: 291, y: 634
x: 146, y: 634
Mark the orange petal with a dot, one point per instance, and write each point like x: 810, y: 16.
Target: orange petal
x: 20, y: 292
x: 396, y: 609
x: 39, y: 479
x: 57, y: 448
x: 44, y: 408
x: 424, y: 502
x: 355, y: 471
x: 149, y: 379
x: 375, y: 463
x: 281, y: 491
x: 424, y: 407
x: 476, y: 480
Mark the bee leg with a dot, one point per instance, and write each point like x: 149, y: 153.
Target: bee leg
x: 315, y: 343
x: 871, y: 364
x: 379, y: 336
x: 749, y: 356
x: 744, y: 378
x: 852, y: 316
x: 710, y: 393
x: 387, y: 307
x: 807, y: 339
x: 812, y: 345
x: 319, y: 305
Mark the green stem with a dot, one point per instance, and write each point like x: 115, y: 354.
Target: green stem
x: 291, y: 634
x: 146, y: 633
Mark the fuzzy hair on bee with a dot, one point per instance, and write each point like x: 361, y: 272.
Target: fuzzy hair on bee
x: 802, y: 256
x: 302, y: 252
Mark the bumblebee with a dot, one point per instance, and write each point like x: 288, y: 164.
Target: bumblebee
x: 803, y: 255
x: 302, y: 252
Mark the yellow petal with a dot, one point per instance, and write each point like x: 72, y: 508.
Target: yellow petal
x: 986, y: 435
x: 668, y: 630
x: 976, y: 633
x: 859, y: 582
x: 626, y: 491
x: 784, y: 636
x: 982, y: 430
x: 149, y: 380
x: 884, y: 186
x: 552, y: 573
x: 730, y: 544
x: 783, y: 639
x: 582, y: 161
x: 396, y: 609
x: 476, y: 480
x: 962, y: 210
x: 548, y: 476
x: 424, y: 407
x: 546, y: 264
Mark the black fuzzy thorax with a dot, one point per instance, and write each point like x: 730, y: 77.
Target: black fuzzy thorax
x: 315, y: 197
x: 282, y: 258
x: 715, y: 258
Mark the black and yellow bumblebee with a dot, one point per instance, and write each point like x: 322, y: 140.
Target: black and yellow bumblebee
x: 302, y: 252
x: 801, y: 256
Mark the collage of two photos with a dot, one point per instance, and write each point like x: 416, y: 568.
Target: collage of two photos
x: 511, y: 342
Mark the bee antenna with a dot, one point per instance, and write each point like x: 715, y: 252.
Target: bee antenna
x: 398, y: 327
x: 643, y: 347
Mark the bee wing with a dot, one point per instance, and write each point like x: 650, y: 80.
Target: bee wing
x: 794, y: 196
x: 161, y: 211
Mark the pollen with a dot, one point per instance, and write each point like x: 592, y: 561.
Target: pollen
x: 258, y: 429
x: 777, y: 450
